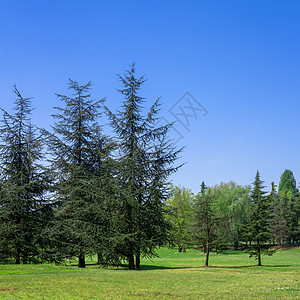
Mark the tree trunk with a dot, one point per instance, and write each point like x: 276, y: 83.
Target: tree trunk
x: 179, y: 249
x: 236, y: 245
x: 17, y: 260
x: 25, y: 259
x: 258, y: 254
x: 138, y: 261
x: 183, y: 250
x: 207, y: 254
x: 100, y: 260
x: 81, y: 261
x: 259, y: 260
x: 131, y: 262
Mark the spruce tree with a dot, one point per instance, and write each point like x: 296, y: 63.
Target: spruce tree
x: 258, y: 228
x: 25, y: 181
x: 145, y: 162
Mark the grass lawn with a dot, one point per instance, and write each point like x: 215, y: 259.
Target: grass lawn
x: 232, y: 275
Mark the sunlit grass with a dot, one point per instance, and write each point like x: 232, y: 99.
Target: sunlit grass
x: 172, y: 275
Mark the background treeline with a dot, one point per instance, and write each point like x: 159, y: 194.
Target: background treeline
x: 230, y: 216
x: 74, y: 191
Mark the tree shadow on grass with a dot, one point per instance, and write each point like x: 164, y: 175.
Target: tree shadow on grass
x: 148, y: 267
x: 157, y: 267
x: 250, y: 266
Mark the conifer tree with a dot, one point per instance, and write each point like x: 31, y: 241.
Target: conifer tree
x: 76, y: 145
x: 258, y: 228
x: 23, y: 203
x: 205, y: 221
x: 145, y: 162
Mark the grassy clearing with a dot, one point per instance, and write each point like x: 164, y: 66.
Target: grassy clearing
x: 172, y: 275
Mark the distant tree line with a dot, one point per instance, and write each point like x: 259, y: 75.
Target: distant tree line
x: 74, y: 191
x: 230, y: 216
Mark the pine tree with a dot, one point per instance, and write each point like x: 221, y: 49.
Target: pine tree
x: 23, y: 203
x: 76, y: 146
x: 205, y: 222
x: 145, y: 162
x: 258, y: 228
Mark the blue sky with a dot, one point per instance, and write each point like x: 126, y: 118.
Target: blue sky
x: 239, y: 59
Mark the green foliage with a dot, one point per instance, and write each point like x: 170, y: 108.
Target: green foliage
x: 291, y: 203
x: 80, y: 160
x: 145, y: 162
x: 286, y: 211
x: 232, y: 204
x: 258, y: 229
x: 205, y: 221
x: 113, y: 198
x: 278, y: 223
x: 24, y: 208
x: 287, y: 182
x: 180, y: 206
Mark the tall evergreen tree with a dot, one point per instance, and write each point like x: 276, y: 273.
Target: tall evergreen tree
x: 76, y: 146
x: 205, y: 221
x: 23, y: 203
x: 145, y: 161
x: 258, y: 228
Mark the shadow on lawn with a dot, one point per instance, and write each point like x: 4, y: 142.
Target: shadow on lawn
x: 149, y: 268
x: 125, y: 267
x: 250, y: 266
x: 155, y: 267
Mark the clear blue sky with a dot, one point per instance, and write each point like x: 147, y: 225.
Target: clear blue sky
x: 239, y: 59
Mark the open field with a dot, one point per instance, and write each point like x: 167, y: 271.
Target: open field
x: 172, y: 275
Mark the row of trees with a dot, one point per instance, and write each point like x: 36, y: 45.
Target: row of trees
x: 73, y: 191
x: 233, y: 216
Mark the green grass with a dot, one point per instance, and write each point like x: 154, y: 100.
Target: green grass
x: 232, y: 275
